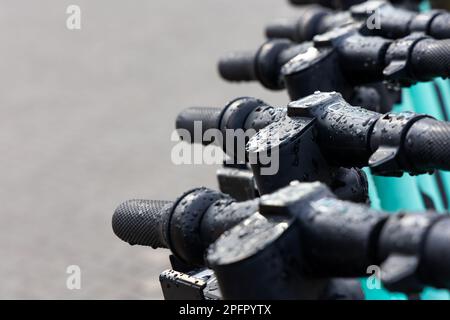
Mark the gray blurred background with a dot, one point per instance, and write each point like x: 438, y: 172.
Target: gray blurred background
x: 85, y: 123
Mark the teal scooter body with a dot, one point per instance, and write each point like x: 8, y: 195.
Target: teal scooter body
x: 408, y: 193
x: 414, y: 193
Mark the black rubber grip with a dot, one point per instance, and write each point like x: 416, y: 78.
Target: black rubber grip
x: 141, y: 222
x: 209, y: 118
x: 302, y: 2
x: 283, y: 29
x: 313, y: 20
x: 238, y: 66
x: 431, y: 59
x: 428, y: 144
x: 440, y: 27
x: 334, y: 4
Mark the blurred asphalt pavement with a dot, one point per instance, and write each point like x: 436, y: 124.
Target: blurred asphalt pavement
x: 85, y: 123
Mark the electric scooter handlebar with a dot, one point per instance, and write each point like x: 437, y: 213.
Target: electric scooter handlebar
x: 391, y: 143
x: 336, y: 238
x: 345, y: 4
x: 379, y: 18
x: 343, y: 59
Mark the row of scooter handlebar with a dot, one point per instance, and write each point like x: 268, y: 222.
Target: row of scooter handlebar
x: 309, y: 226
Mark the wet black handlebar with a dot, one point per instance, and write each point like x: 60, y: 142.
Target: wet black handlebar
x: 348, y: 136
x: 327, y: 238
x: 380, y: 18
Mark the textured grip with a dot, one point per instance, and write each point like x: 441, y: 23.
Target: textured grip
x: 431, y: 59
x: 440, y: 26
x: 428, y: 144
x: 238, y: 66
x: 209, y: 118
x: 141, y: 222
